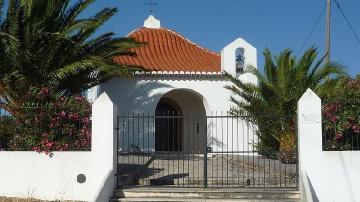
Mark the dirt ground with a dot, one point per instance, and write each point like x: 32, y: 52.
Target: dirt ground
x: 15, y: 199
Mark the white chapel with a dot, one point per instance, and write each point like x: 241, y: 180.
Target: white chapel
x: 180, y: 76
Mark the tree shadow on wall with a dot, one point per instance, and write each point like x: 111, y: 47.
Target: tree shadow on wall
x: 134, y: 95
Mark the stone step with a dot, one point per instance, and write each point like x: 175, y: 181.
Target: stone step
x: 199, y: 194
x: 203, y: 200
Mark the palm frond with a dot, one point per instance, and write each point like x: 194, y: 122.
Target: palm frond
x: 57, y: 48
x: 284, y: 79
x: 98, y: 20
x: 1, y: 11
x: 69, y: 15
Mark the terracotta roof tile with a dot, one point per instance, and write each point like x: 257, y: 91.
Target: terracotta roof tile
x: 169, y: 51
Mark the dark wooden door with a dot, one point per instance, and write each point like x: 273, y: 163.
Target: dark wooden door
x: 168, y: 127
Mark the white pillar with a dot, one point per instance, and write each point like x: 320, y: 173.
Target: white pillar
x: 103, y: 147
x: 309, y: 141
x: 309, y: 126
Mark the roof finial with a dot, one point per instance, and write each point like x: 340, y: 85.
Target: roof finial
x: 152, y: 22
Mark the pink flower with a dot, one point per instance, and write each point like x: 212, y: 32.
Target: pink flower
x: 338, y: 136
x: 73, y: 116
x: 49, y: 144
x: 86, y: 120
x: 334, y: 118
x: 45, y: 91
x: 72, y: 131
x: 35, y: 148
x: 62, y: 114
x: 79, y: 98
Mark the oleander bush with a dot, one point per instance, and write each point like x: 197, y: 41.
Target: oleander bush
x: 341, y: 116
x: 52, y: 123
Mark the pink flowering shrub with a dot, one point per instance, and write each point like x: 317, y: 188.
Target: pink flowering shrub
x: 341, y: 118
x: 53, y: 123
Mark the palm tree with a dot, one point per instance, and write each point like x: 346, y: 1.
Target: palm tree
x: 47, y: 44
x: 272, y: 102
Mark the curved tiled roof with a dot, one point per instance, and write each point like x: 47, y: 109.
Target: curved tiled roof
x: 166, y: 50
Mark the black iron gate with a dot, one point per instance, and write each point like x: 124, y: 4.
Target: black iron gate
x: 200, y: 151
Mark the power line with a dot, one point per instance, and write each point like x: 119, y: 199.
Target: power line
x: 347, y: 22
x: 313, y: 29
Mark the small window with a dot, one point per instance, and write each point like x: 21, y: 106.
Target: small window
x: 239, y: 60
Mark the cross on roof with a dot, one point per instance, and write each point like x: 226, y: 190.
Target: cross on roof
x: 151, y: 5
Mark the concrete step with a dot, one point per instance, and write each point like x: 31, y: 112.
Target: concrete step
x: 202, y: 200
x: 200, y: 194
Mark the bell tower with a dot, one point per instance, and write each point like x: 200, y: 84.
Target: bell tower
x: 236, y: 57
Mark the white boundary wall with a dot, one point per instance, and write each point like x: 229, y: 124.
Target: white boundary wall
x: 29, y: 174
x: 325, y: 175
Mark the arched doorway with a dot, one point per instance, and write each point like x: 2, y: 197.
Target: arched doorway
x: 181, y: 122
x: 168, y: 126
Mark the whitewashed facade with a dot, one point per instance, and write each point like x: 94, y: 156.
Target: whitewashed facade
x: 197, y: 93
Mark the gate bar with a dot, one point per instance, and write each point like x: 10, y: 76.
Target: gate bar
x: 117, y: 150
x: 205, y: 156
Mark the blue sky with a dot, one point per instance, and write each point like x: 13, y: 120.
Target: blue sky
x: 276, y: 24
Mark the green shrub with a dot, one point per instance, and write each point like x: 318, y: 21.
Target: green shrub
x: 53, y: 123
x: 7, y: 130
x: 341, y: 117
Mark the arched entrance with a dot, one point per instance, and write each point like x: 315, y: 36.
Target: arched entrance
x: 180, y: 123
x: 168, y: 126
